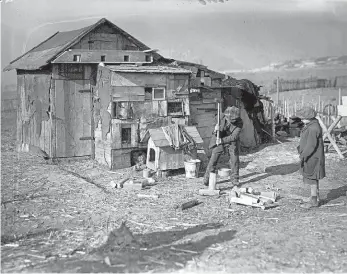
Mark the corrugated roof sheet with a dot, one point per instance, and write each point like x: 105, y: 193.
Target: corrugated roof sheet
x: 149, y: 69
x: 43, y: 53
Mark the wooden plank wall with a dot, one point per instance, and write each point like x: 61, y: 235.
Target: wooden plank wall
x: 111, y: 56
x: 203, y: 109
x: 77, y: 82
x: 105, y: 38
x: 73, y: 118
x: 103, y: 130
x: 130, y: 87
x: 33, y: 117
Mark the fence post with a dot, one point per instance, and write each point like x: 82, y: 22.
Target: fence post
x: 328, y: 124
x: 295, y: 108
x: 339, y: 100
x: 278, y: 91
x: 273, y: 121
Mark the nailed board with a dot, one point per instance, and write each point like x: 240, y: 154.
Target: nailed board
x: 106, y: 37
x: 120, y: 159
x: 124, y: 94
x: 73, y: 118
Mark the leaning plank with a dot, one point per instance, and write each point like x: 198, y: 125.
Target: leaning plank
x: 332, y: 126
x: 332, y: 141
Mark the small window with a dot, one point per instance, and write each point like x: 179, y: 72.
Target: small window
x: 126, y: 58
x: 175, y: 108
x: 148, y: 58
x: 77, y: 58
x: 122, y: 110
x: 148, y: 94
x: 114, y: 110
x: 158, y: 94
x: 103, y: 58
x: 151, y: 155
x: 126, y: 135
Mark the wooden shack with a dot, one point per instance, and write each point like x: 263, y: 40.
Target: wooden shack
x: 160, y: 155
x: 132, y: 99
x: 56, y: 83
x: 96, y: 91
x: 230, y: 92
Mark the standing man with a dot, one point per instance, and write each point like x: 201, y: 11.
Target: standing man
x: 311, y: 150
x: 229, y: 130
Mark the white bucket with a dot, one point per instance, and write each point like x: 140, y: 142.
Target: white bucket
x: 192, y: 168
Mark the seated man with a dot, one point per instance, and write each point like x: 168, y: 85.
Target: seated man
x: 229, y: 130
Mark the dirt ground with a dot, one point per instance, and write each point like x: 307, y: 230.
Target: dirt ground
x: 65, y: 217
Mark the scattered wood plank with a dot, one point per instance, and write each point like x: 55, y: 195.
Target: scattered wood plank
x: 153, y: 196
x: 184, y: 250
x: 189, y: 204
x: 331, y: 205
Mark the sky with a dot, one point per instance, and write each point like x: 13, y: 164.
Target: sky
x: 236, y: 34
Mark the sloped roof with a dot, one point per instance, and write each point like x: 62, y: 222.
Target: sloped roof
x: 213, y: 74
x: 46, y: 51
x: 149, y: 69
x: 159, y: 139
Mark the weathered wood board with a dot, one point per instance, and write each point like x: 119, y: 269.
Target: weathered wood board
x: 73, y: 118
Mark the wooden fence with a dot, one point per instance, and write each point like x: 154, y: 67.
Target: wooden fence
x: 288, y: 108
x: 308, y: 83
x: 326, y: 110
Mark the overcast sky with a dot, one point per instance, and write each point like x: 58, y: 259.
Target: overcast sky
x: 237, y: 34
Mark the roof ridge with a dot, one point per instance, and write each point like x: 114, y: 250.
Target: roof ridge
x: 74, y: 39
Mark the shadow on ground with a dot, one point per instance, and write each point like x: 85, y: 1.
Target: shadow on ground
x: 6, y: 239
x: 155, y: 251
x: 284, y: 169
x: 245, y: 151
x: 336, y: 193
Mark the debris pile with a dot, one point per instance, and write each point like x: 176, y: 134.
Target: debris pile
x: 250, y: 197
x: 129, y: 183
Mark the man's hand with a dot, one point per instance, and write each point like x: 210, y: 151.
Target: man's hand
x: 216, y: 128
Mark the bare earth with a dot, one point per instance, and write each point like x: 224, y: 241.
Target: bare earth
x: 55, y: 221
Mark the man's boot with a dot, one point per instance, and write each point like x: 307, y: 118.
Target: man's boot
x: 311, y: 204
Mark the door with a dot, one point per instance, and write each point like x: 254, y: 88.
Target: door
x: 73, y: 113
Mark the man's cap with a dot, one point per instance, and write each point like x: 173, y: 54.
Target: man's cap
x: 306, y: 113
x: 232, y: 112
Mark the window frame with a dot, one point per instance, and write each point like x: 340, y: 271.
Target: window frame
x: 181, y: 113
x: 78, y: 58
x: 161, y: 98
x: 115, y: 112
x: 148, y: 58
x: 125, y: 127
